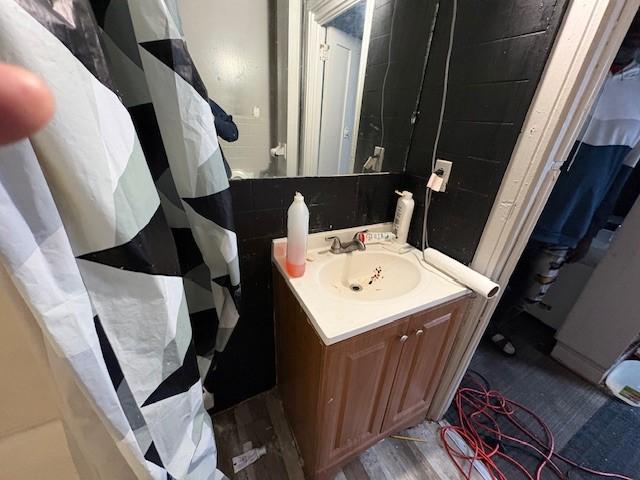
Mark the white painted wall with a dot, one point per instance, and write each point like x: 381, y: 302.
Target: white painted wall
x: 229, y: 43
x: 33, y: 444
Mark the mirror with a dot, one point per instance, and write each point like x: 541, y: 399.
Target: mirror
x: 333, y: 81
x: 286, y: 79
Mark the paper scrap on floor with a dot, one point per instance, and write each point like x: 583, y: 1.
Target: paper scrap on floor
x: 242, y: 461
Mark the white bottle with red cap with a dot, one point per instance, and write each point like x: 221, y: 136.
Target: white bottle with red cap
x: 297, y: 233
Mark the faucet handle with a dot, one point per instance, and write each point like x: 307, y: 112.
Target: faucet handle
x: 336, y: 244
x: 357, y: 235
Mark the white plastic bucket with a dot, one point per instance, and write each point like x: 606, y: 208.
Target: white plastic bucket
x: 624, y: 382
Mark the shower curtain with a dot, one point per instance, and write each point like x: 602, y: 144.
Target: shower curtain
x: 116, y: 227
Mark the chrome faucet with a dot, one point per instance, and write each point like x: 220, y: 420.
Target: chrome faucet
x: 338, y: 247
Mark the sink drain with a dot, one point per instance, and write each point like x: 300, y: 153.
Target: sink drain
x: 355, y: 287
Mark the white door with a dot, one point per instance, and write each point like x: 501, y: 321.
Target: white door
x: 339, y: 89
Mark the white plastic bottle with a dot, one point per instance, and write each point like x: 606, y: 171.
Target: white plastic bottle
x: 402, y: 218
x: 297, y: 232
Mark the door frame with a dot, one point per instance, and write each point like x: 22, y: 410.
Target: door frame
x: 589, y: 37
x: 294, y: 59
x: 317, y: 14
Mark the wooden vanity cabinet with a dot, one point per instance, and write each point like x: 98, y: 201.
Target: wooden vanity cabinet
x: 342, y: 398
x: 431, y: 334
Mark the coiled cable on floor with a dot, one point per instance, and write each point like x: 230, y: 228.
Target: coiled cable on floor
x: 481, y: 410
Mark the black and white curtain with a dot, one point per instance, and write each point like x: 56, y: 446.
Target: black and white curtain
x: 116, y: 227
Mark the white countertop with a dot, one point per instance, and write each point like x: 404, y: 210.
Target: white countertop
x: 336, y: 318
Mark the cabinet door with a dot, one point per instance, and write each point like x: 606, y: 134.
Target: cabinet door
x: 431, y: 334
x: 358, y: 375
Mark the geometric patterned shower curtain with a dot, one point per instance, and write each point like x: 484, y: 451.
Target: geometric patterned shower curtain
x: 152, y: 70
x: 116, y: 227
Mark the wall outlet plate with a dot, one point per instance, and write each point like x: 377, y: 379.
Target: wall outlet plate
x: 374, y: 162
x: 378, y: 152
x: 446, y: 167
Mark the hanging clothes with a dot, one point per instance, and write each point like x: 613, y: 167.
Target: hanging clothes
x: 608, y: 139
x: 116, y: 227
x: 226, y: 129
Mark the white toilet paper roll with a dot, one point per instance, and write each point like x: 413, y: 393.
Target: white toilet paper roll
x: 461, y: 273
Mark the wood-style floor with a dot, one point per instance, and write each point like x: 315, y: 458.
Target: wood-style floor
x: 260, y: 420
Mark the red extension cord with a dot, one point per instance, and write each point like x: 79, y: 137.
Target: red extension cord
x: 479, y: 411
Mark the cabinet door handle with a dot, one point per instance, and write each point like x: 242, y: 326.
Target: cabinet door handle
x: 404, y: 338
x: 419, y: 332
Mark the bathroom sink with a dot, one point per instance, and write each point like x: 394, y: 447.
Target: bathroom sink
x: 349, y: 293
x: 367, y: 276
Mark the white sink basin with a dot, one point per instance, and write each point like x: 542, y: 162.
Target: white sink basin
x: 369, y: 275
x: 350, y: 293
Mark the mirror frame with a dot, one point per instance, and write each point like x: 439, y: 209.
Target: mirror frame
x: 295, y: 17
x: 317, y: 14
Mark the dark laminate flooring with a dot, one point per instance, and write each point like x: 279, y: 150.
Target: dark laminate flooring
x: 260, y: 421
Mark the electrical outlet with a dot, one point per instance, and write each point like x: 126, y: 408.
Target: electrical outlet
x: 374, y: 162
x: 378, y: 152
x: 446, y: 166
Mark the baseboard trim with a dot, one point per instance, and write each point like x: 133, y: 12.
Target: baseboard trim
x: 578, y: 363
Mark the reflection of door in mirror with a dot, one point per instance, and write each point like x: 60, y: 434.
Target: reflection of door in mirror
x: 340, y: 81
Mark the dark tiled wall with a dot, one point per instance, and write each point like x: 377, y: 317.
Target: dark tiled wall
x: 408, y: 47
x: 247, y: 366
x: 499, y: 52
